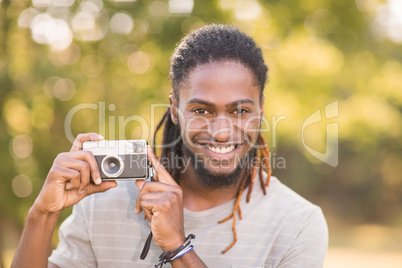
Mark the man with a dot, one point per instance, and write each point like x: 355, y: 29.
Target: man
x: 212, y: 152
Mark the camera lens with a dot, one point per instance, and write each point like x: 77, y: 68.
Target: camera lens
x: 112, y: 166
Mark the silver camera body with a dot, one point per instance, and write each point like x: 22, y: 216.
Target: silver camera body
x: 121, y: 159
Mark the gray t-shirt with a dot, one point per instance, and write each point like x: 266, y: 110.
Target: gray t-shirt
x: 280, y: 229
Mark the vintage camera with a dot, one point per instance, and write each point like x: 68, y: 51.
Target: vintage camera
x: 121, y: 159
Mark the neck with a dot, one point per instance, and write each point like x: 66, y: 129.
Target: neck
x: 197, y: 197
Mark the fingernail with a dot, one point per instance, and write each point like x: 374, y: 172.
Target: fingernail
x: 136, y: 211
x: 98, y: 180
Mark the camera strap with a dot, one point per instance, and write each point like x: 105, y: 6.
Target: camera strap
x: 146, y: 247
x: 147, y: 244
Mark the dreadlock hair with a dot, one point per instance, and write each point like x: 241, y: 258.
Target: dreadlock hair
x: 215, y: 43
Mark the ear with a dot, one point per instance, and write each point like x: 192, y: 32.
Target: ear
x: 173, y: 107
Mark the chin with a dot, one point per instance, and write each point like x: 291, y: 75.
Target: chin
x: 213, y: 175
x: 217, y: 170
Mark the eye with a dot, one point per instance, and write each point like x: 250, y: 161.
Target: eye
x: 240, y: 111
x: 200, y: 111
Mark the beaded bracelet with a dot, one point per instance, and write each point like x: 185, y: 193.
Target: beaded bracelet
x: 178, y: 252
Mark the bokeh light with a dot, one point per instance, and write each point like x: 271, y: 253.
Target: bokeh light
x: 41, y: 3
x: 54, y: 32
x: 124, y: 1
x: 21, y: 146
x: 389, y: 20
x: 247, y: 10
x: 68, y: 56
x: 64, y: 89
x: 139, y: 62
x: 181, y: 6
x: 22, y: 186
x: 121, y: 23
x: 17, y: 115
x: 27, y: 16
x: 56, y: 55
x: 159, y: 9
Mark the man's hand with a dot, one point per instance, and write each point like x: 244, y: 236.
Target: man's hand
x: 68, y: 180
x: 66, y: 184
x: 162, y: 203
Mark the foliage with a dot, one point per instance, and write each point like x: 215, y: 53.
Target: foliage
x: 318, y: 52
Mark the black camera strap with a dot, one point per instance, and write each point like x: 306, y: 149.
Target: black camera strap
x: 147, y: 244
x: 146, y: 247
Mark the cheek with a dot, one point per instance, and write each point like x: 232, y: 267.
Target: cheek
x: 251, y: 127
x: 193, y: 126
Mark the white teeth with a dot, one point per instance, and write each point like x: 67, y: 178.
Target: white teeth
x: 221, y: 150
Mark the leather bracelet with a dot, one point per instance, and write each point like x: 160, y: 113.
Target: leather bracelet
x: 178, y: 252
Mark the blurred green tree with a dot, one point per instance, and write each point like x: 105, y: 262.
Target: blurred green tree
x: 109, y: 60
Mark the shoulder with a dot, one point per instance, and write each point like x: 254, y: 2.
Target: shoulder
x: 286, y: 208
x: 297, y: 214
x: 288, y: 199
x: 304, y: 225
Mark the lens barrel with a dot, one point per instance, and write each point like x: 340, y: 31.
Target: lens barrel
x: 112, y: 166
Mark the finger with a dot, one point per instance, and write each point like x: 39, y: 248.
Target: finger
x: 81, y: 138
x: 69, y: 186
x: 89, y: 158
x: 74, y: 182
x: 148, y: 214
x: 149, y: 207
x: 104, y: 186
x: 153, y: 186
x: 79, y: 165
x: 163, y: 175
x: 154, y: 206
x: 139, y: 184
x: 147, y: 196
x: 147, y: 188
x: 66, y: 175
x: 157, y: 195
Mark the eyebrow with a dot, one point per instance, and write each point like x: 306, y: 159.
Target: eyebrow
x: 207, y: 103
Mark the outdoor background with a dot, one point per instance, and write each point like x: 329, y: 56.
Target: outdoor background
x: 114, y: 55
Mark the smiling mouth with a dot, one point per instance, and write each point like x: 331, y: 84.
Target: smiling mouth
x: 222, y: 150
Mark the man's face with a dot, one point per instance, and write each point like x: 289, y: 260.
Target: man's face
x: 219, y: 112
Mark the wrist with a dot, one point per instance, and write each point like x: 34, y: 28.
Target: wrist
x: 183, y: 249
x: 172, y: 245
x: 36, y: 211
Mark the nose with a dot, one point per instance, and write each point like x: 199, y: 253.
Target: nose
x: 221, y: 129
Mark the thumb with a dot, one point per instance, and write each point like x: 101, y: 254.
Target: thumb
x: 104, y: 186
